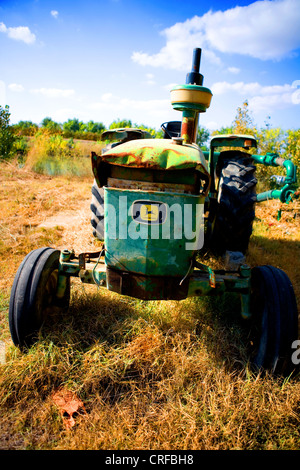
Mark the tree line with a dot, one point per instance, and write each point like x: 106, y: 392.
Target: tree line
x: 273, y: 140
x: 75, y: 128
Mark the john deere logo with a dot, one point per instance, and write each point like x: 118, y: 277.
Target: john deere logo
x: 149, y: 212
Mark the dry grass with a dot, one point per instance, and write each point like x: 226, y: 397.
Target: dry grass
x: 277, y: 242
x: 151, y: 375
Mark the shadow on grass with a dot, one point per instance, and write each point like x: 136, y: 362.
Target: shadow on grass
x: 213, y: 323
x: 114, y: 321
x: 117, y: 348
x: 97, y: 316
x: 280, y: 253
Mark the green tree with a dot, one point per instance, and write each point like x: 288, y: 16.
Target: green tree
x: 202, y: 137
x: 73, y: 125
x: 25, y: 128
x: 119, y: 124
x: 92, y: 126
x: 223, y: 130
x: 153, y: 132
x: 271, y: 140
x: 7, y: 137
x: 51, y: 126
x: 46, y: 121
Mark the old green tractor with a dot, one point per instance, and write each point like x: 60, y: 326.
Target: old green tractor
x: 157, y: 204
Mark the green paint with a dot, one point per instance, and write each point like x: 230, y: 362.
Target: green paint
x: 155, y: 249
x: 286, y: 193
x: 200, y: 283
x: 192, y: 88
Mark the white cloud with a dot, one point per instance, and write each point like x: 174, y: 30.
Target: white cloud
x: 106, y: 97
x: 234, y: 70
x: 54, y: 13
x: 108, y: 100
x: 53, y: 92
x: 219, y: 88
x: 264, y: 29
x: 296, y: 94
x: 169, y: 86
x: 150, y: 111
x: 150, y: 79
x: 251, y: 89
x: 16, y: 87
x: 19, y: 33
x: 211, y: 125
x: 268, y: 102
x: 260, y: 97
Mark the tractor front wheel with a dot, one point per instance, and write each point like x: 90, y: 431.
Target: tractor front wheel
x: 34, y: 295
x: 274, y: 324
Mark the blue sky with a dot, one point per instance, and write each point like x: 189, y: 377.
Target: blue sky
x: 109, y: 59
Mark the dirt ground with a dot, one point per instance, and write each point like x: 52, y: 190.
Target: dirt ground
x: 77, y: 233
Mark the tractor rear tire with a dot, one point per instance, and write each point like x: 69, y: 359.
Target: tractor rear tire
x: 274, y: 323
x: 97, y: 208
x: 33, y: 296
x: 235, y: 212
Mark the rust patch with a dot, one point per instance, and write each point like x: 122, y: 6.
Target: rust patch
x: 188, y: 129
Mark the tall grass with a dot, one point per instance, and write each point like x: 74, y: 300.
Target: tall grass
x: 51, y: 154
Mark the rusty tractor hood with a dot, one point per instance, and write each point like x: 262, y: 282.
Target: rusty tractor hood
x: 160, y: 154
x: 152, y: 154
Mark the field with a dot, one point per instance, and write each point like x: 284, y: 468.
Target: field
x: 142, y: 375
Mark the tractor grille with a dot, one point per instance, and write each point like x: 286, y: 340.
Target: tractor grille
x: 151, y: 186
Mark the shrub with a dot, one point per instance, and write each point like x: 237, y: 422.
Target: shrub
x: 6, y: 134
x: 54, y: 155
x: 25, y: 128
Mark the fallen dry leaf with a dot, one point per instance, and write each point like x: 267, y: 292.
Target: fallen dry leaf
x: 69, y: 405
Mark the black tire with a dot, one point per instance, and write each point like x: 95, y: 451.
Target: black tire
x: 274, y: 323
x: 97, y: 208
x: 235, y: 210
x: 33, y: 295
